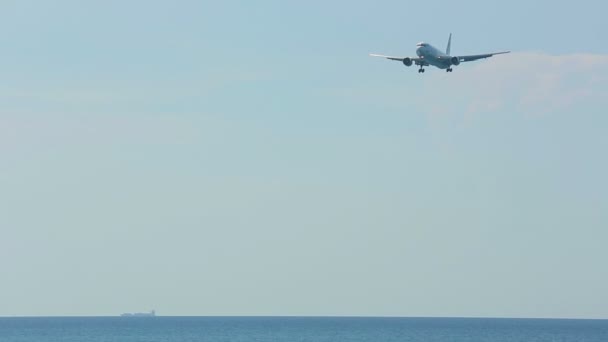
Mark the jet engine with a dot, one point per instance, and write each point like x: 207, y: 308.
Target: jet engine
x: 455, y: 60
x: 407, y: 61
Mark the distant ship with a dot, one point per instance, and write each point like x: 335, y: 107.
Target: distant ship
x: 139, y: 314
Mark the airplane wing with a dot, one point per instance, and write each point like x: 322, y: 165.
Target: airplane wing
x: 416, y: 60
x: 476, y: 57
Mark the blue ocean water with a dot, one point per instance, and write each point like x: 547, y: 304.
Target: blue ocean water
x: 299, y: 329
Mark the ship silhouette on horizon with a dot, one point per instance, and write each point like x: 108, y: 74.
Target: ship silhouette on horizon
x: 152, y: 313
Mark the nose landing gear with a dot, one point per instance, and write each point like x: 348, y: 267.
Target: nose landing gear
x: 421, y: 70
x: 449, y: 70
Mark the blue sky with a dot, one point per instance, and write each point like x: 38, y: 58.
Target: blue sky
x: 251, y: 159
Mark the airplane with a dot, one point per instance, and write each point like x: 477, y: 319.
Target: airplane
x: 430, y: 55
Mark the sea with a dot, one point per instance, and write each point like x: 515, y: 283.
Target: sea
x: 298, y: 329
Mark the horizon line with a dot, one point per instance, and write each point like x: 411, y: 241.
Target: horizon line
x: 310, y: 316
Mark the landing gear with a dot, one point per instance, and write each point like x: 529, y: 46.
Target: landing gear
x: 420, y: 70
x: 449, y: 70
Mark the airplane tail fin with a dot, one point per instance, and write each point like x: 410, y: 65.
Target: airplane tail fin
x: 447, y: 50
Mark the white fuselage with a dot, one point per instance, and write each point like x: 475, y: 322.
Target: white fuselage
x: 433, y: 56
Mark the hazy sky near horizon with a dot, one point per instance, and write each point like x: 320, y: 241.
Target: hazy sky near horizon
x: 249, y: 158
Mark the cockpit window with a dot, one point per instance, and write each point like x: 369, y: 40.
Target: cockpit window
x: 421, y: 44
